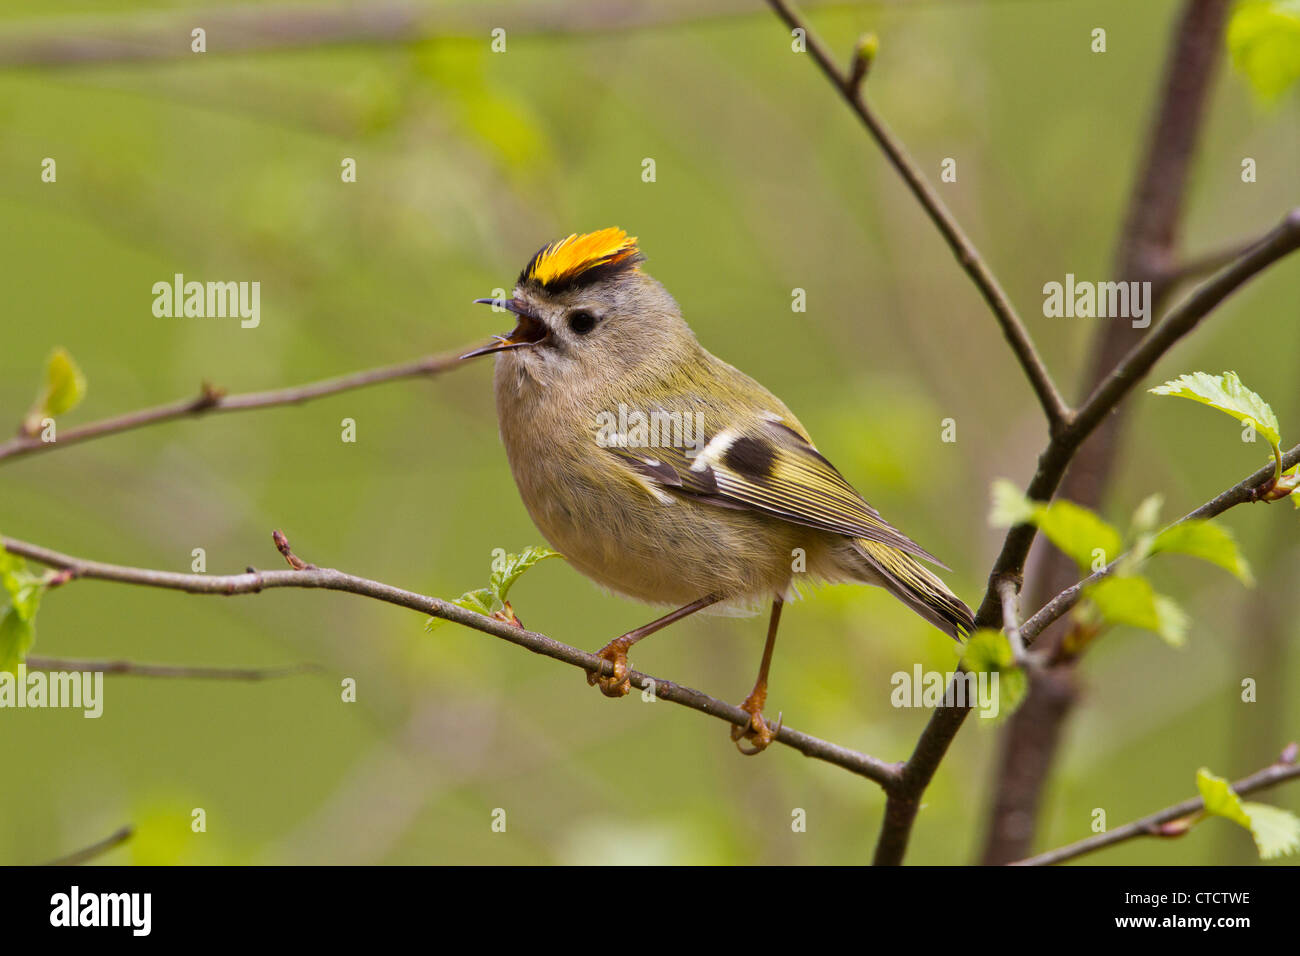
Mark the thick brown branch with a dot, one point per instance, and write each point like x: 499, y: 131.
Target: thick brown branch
x: 1280, y: 772
x: 212, y: 401
x: 905, y: 799
x: 849, y: 86
x: 1145, y: 252
x: 253, y: 582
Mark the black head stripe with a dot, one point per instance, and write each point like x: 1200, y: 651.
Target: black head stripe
x: 597, y: 272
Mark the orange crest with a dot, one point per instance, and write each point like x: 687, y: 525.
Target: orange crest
x: 580, y: 259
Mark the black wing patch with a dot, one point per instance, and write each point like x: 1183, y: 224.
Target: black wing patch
x: 775, y: 471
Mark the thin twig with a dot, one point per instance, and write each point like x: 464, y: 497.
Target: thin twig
x: 1270, y: 776
x: 1243, y: 492
x: 254, y: 582
x: 138, y: 669
x: 88, y: 853
x: 1009, y: 593
x: 1182, y: 319
x: 212, y: 400
x: 849, y: 86
x: 1207, y: 263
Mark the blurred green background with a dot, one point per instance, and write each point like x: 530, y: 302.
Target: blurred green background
x: 227, y: 168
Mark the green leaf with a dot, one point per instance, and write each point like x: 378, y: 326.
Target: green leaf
x: 505, y: 572
x: 65, y: 384
x: 1264, y: 41
x: 1276, y: 831
x: 1072, y: 528
x: 20, y: 596
x: 516, y: 564
x: 1079, y: 533
x: 65, y: 387
x: 17, y: 634
x: 1131, y: 600
x: 1226, y: 393
x: 989, y: 652
x: 1207, y: 541
x: 480, y: 601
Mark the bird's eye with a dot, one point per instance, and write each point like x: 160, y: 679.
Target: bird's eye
x: 582, y: 321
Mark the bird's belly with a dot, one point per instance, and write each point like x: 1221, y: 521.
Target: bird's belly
x: 665, y: 553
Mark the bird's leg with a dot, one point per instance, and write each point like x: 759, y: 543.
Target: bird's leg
x: 759, y: 731
x: 618, y: 684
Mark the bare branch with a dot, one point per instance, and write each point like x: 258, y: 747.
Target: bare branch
x: 212, y: 400
x: 1207, y: 263
x: 1285, y: 769
x: 137, y: 669
x: 89, y: 853
x: 1182, y: 319
x: 1009, y: 594
x: 905, y: 800
x: 849, y: 86
x: 1145, y: 252
x: 260, y: 29
x: 1243, y: 492
x: 311, y: 577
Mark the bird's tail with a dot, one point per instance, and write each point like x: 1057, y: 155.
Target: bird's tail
x: 917, y: 587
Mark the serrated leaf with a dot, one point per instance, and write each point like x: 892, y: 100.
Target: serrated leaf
x: 480, y: 601
x: 1276, y: 832
x: 491, y: 599
x: 516, y: 564
x: 1072, y: 528
x: 1207, y: 541
x: 1079, y: 533
x: 1226, y: 393
x: 1263, y: 38
x: 1131, y: 600
x: 989, y: 652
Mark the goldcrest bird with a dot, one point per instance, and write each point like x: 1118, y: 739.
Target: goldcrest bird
x: 666, y: 475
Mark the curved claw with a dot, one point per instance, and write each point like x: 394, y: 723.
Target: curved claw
x: 759, y: 731
x: 619, y: 683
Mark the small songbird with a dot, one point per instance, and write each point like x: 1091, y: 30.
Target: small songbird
x: 666, y: 475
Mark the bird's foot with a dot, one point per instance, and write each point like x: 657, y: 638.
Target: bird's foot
x: 617, y: 684
x: 759, y: 732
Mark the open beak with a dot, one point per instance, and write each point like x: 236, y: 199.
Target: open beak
x: 529, y: 329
